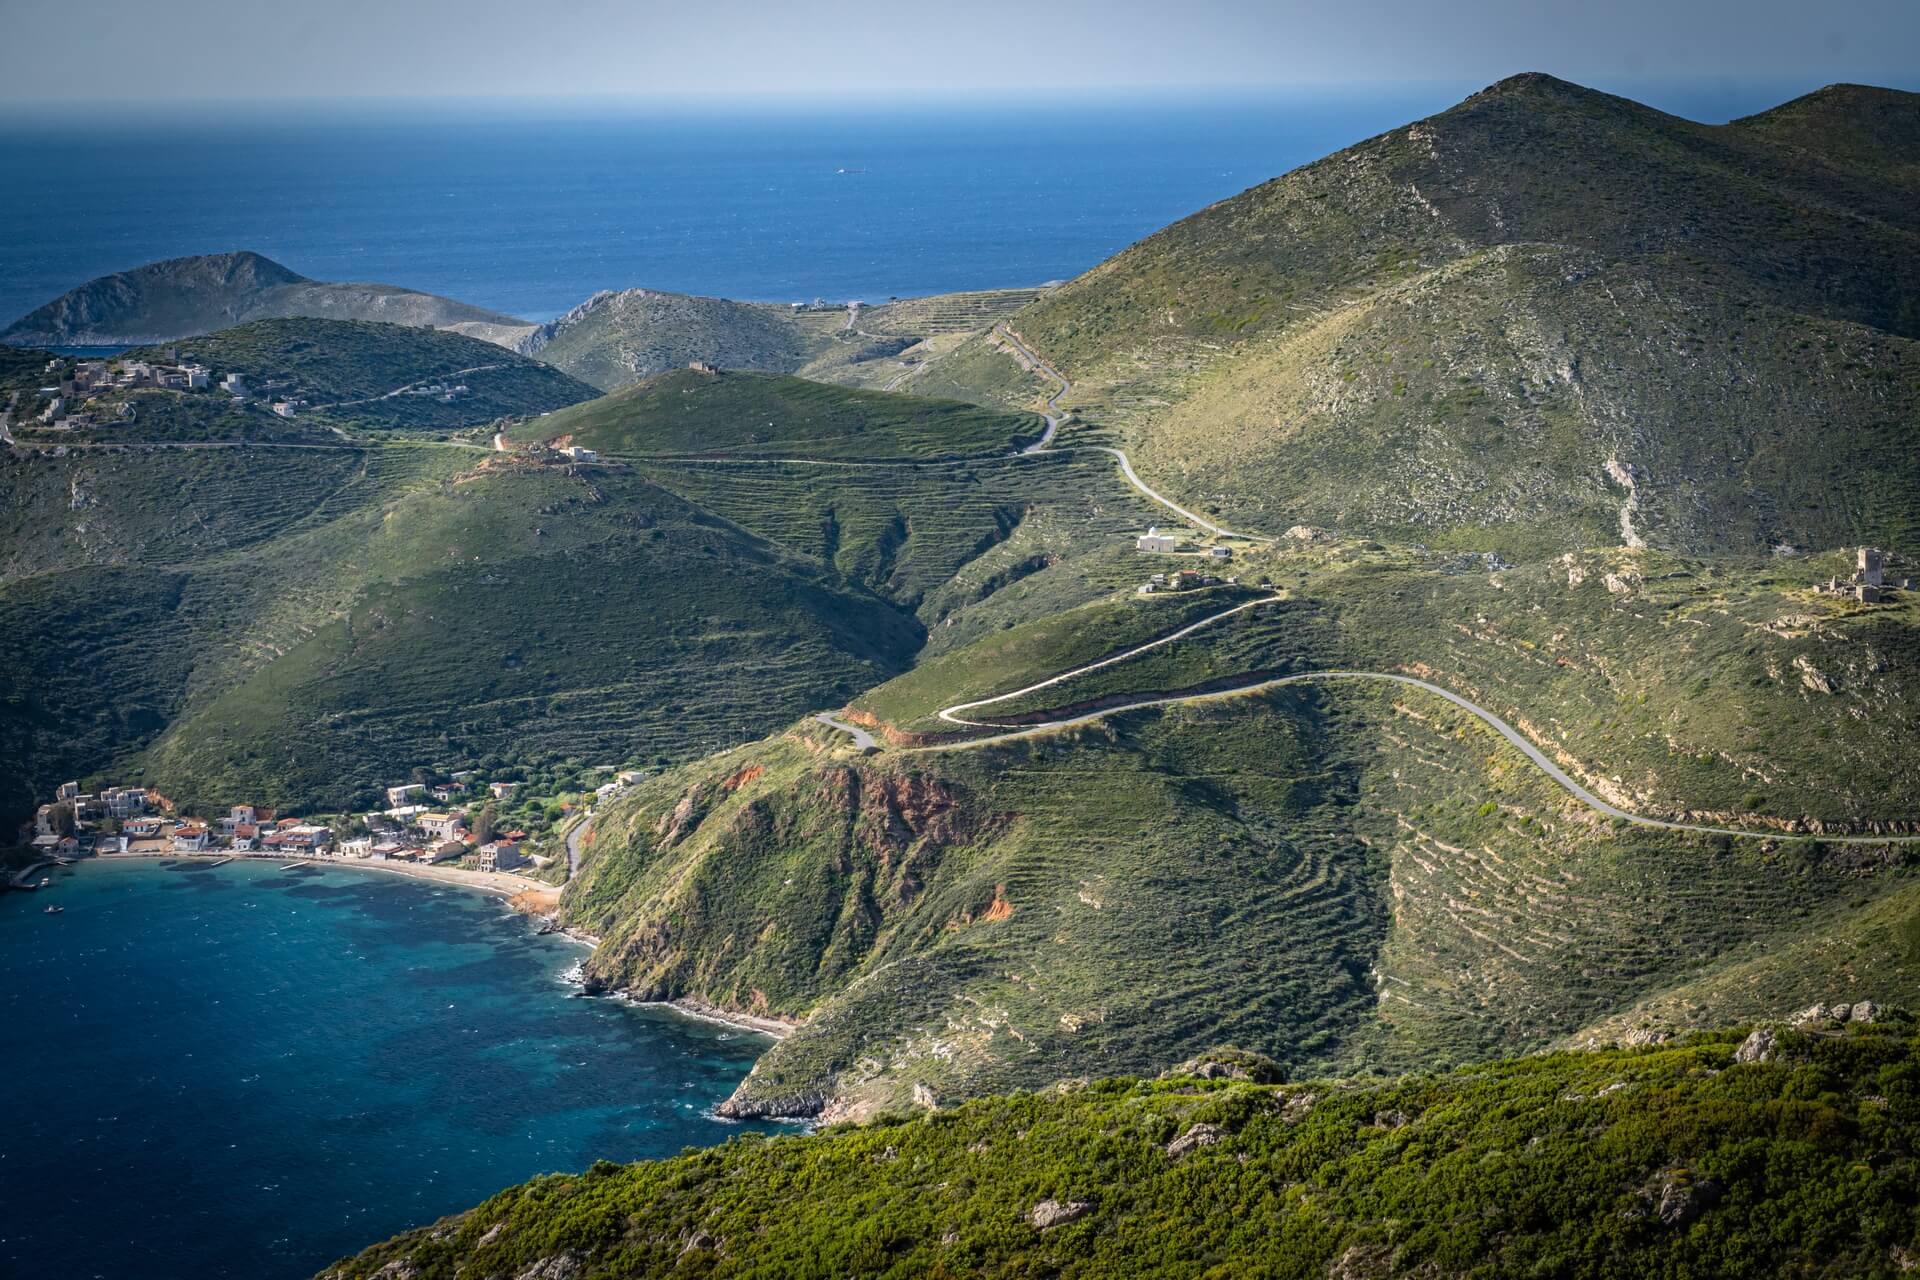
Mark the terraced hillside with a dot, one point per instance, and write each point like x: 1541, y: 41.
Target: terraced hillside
x: 761, y: 415
x: 179, y: 297
x: 383, y: 377
x: 1337, y: 875
x: 1546, y: 319
x: 1708, y: 691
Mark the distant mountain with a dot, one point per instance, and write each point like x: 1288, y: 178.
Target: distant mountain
x: 1546, y: 318
x: 181, y: 297
x: 615, y: 339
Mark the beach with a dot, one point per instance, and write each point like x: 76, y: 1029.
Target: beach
x: 523, y: 892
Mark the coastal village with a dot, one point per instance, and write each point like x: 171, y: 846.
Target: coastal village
x: 449, y: 823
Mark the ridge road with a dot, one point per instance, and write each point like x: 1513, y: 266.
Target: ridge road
x: 1505, y: 730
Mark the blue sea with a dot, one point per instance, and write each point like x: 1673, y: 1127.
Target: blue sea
x: 245, y: 1072
x: 530, y: 213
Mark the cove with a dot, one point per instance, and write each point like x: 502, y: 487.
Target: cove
x: 247, y: 1072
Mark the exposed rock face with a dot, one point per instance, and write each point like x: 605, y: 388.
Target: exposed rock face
x: 1230, y: 1064
x: 1054, y: 1213
x: 1757, y: 1047
x: 561, y: 1266
x: 1200, y: 1135
x: 1676, y: 1197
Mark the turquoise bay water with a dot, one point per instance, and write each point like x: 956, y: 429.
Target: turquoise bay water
x: 244, y: 1072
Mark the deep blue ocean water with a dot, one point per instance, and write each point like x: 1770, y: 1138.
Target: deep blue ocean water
x: 531, y: 214
x: 244, y: 1072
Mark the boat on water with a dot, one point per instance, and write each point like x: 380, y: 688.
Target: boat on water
x: 54, y: 911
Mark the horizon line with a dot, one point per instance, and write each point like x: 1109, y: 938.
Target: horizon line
x: 987, y: 99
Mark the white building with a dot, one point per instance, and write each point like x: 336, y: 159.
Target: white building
x: 440, y: 826
x: 1154, y: 540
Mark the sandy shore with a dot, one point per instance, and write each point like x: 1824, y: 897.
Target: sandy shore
x: 501, y: 883
x: 769, y: 1027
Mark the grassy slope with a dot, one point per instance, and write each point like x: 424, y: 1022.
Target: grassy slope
x: 747, y: 415
x: 1540, y: 1166
x: 1338, y: 876
x: 970, y: 545
x: 347, y: 368
x: 1727, y: 689
x: 538, y: 614
x: 1392, y: 339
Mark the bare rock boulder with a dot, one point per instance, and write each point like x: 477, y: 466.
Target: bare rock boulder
x: 1757, y: 1047
x: 1200, y: 1135
x: 1055, y: 1213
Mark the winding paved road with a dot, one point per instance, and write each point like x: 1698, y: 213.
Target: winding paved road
x: 1499, y: 726
x: 861, y: 738
x: 950, y: 714
x: 1126, y: 465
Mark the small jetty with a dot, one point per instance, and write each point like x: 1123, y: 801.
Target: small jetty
x: 223, y: 862
x: 25, y: 881
x: 293, y: 866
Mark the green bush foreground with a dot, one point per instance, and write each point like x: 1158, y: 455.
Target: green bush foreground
x: 1673, y: 1161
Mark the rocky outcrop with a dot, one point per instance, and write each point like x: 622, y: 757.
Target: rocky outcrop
x: 1054, y: 1213
x: 1200, y: 1135
x: 1757, y: 1047
x: 1675, y: 1197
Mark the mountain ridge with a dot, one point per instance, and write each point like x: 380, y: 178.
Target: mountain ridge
x: 184, y: 297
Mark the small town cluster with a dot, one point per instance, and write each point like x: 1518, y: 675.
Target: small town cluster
x: 74, y: 392
x: 137, y: 820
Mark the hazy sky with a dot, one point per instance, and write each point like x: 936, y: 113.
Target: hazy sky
x: 79, y: 51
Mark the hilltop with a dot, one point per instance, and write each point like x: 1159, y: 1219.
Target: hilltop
x: 1545, y: 319
x: 1792, y: 1154
x: 381, y: 376
x: 614, y: 339
x: 180, y: 297
x: 747, y: 415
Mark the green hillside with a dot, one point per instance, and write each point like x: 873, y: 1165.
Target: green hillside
x: 1710, y: 691
x: 1341, y: 876
x: 747, y: 415
x: 359, y: 374
x: 1682, y: 1161
x: 1543, y: 320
